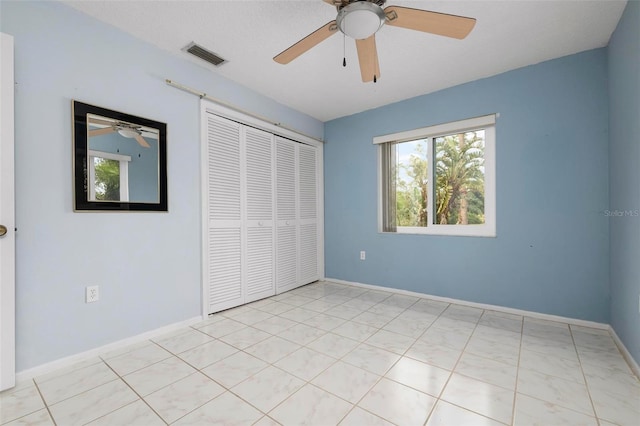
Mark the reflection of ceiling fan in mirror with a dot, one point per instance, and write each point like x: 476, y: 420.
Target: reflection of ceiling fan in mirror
x: 126, y: 130
x: 361, y: 19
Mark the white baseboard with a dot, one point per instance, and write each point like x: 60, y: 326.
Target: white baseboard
x: 48, y: 367
x: 572, y: 321
x: 625, y: 353
x: 532, y: 314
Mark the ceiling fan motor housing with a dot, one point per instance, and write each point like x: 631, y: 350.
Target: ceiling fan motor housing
x: 361, y: 19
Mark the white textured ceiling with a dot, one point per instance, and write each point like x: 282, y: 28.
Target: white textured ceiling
x: 508, y: 34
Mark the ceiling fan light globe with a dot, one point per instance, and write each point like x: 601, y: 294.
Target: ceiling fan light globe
x: 128, y: 133
x: 360, y: 20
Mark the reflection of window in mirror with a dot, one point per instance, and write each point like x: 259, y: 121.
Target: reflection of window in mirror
x: 109, y: 176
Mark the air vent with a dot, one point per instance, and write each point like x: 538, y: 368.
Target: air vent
x: 204, y: 54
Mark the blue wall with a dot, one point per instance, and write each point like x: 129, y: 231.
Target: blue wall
x: 147, y: 264
x: 551, y: 253
x: 624, y: 175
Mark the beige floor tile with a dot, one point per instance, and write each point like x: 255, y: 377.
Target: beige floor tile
x: 75, y: 382
x: 346, y: 381
x: 532, y: 411
x: 569, y: 369
x: 305, y: 363
x: 39, y: 418
x: 355, y: 331
x: 397, y: 403
x: 19, y: 403
x: 268, y: 388
x: 183, y: 396
x: 275, y: 325
x: 136, y: 413
x: 159, y: 375
x: 371, y: 358
x: 272, y: 349
x: 92, y: 404
x: 226, y: 409
x: 565, y: 393
x: 333, y: 345
x: 137, y: 359
x: 302, y: 334
x: 391, y: 341
x: 440, y: 356
x: 311, y: 406
x: 372, y: 319
x: 487, y: 370
x: 266, y: 421
x: 184, y: 341
x: 360, y: 417
x: 446, y: 414
x: 480, y: 397
x: 418, y: 375
x: 222, y: 328
x: 246, y: 337
x: 234, y: 369
x: 324, y: 322
x: 204, y: 355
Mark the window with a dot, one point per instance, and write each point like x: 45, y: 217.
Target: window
x: 108, y: 176
x: 439, y: 180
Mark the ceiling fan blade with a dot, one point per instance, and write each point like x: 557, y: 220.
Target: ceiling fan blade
x: 103, y: 131
x: 368, y: 58
x: 142, y: 142
x: 93, y: 120
x: 306, y: 43
x: 429, y: 22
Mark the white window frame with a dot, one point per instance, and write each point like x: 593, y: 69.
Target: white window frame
x: 486, y: 123
x: 124, y: 172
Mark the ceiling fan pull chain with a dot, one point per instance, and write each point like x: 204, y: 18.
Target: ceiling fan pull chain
x: 344, y: 50
x: 375, y: 78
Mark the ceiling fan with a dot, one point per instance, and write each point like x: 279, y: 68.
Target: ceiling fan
x: 127, y: 130
x: 361, y: 19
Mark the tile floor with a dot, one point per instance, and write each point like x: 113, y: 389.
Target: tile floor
x: 328, y: 354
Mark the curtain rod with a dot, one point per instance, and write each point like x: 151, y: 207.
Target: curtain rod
x: 203, y: 95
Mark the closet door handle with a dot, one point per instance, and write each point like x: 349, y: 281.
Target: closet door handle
x: 3, y: 230
x: 260, y: 223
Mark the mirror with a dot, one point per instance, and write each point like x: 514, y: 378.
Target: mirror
x: 120, y: 161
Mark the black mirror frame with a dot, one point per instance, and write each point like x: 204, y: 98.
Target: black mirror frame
x: 80, y: 151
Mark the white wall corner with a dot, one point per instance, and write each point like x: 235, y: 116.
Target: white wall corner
x: 625, y: 353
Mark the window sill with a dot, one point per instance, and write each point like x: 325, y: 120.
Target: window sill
x: 448, y: 230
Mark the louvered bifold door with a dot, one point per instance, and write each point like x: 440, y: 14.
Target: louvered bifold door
x: 308, y: 214
x: 225, y: 274
x: 286, y: 216
x: 259, y: 215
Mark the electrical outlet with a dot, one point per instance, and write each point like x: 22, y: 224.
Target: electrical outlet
x: 363, y: 255
x: 92, y: 294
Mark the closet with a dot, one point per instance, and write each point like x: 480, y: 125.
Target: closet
x: 262, y: 213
